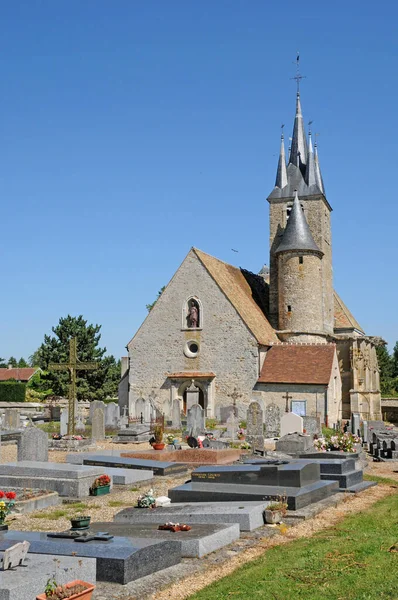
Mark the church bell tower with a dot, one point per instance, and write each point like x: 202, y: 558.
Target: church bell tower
x: 301, y: 274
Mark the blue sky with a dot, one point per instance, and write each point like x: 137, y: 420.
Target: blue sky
x: 133, y: 130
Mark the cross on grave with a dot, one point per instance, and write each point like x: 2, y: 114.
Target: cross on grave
x: 72, y: 366
x: 287, y: 397
x: 234, y: 397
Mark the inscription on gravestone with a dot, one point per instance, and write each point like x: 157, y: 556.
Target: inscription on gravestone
x: 255, y: 428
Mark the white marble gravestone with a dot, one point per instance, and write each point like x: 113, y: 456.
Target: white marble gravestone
x: 63, y: 421
x: 196, y: 420
x: 14, y: 555
x: 232, y: 426
x: 291, y: 423
x: 112, y: 415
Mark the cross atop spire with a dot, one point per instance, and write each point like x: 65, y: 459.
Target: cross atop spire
x: 298, y: 77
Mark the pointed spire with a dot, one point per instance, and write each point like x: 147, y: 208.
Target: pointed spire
x: 310, y: 173
x: 298, y: 152
x: 297, y: 235
x: 281, y: 174
x: 318, y: 174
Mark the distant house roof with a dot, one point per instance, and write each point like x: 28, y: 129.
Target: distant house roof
x: 343, y: 318
x: 291, y: 363
x: 23, y: 374
x: 239, y: 287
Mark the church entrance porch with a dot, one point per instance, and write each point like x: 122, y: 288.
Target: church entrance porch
x: 193, y: 388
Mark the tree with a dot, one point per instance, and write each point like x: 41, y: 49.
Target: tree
x: 22, y: 364
x: 149, y: 307
x: 34, y: 359
x: 13, y: 362
x: 90, y: 385
x: 394, y: 361
x: 3, y: 363
x: 387, y: 382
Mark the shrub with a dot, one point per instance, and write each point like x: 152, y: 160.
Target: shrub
x: 12, y: 391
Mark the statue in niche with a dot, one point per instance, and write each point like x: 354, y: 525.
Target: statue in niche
x: 193, y: 315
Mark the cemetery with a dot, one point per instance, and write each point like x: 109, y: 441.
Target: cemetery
x: 205, y: 490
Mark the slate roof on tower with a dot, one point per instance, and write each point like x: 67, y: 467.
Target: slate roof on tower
x: 297, y: 235
x: 296, y: 363
x: 343, y: 318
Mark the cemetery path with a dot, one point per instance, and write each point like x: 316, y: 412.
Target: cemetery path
x: 351, y: 504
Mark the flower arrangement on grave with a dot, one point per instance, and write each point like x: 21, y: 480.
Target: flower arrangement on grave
x: 241, y: 434
x: 170, y: 437
x: 101, y: 485
x: 245, y: 446
x: 158, y: 444
x: 338, y: 441
x: 56, y: 436
x: 174, y: 527
x: 146, y: 500
x: 6, y: 505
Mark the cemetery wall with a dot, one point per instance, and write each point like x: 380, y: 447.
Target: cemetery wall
x: 226, y: 346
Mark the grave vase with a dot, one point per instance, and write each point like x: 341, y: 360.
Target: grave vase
x: 158, y: 446
x: 273, y: 517
x: 84, y: 595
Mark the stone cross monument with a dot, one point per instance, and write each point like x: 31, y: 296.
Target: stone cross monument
x: 72, y: 366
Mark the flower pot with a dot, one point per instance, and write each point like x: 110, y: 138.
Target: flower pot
x: 273, y: 516
x: 100, y: 491
x: 84, y: 595
x: 157, y: 446
x: 80, y: 522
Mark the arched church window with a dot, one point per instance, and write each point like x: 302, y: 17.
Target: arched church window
x: 192, y: 314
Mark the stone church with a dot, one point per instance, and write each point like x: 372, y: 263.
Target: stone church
x: 284, y: 338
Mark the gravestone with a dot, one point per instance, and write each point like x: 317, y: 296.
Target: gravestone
x: 254, y: 427
x: 63, y: 420
x: 93, y: 405
x: 195, y: 420
x: 192, y: 394
x: 312, y: 425
x: 364, y: 432
x: 80, y: 427
x: 355, y: 423
x: 272, y: 425
x: 176, y: 414
x: 225, y: 411
x: 291, y: 423
x: 293, y: 443
x: 98, y: 425
x: 124, y: 419
x: 141, y: 411
x: 11, y: 418
x: 33, y: 445
x: 112, y: 414
x: 232, y: 426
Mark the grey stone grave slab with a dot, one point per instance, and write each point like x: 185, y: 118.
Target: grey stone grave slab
x: 64, y: 421
x: 299, y: 480
x: 312, y: 425
x: 291, y: 423
x: 76, y: 458
x: 199, y: 541
x: 248, y: 515
x: 176, y: 414
x: 119, y: 560
x: 272, y: 425
x: 254, y: 427
x: 28, y: 581
x: 192, y: 396
x: 225, y: 411
x: 296, y: 497
x: 232, y: 426
x: 93, y: 406
x: 12, y: 418
x: 196, y: 420
x: 33, y: 445
x: 119, y: 476
x: 133, y: 434
x: 112, y: 415
x: 293, y: 443
x: 157, y: 466
x: 98, y: 425
x: 68, y: 480
x: 355, y: 423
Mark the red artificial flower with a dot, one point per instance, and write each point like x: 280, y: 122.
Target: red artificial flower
x: 2, y: 494
x: 11, y: 495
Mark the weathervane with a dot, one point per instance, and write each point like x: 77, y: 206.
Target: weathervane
x: 298, y: 77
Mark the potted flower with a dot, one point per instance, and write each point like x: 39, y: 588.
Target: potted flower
x: 77, y: 589
x: 80, y: 522
x: 275, y: 511
x: 158, y: 444
x: 101, y: 486
x: 241, y: 434
x: 7, y: 501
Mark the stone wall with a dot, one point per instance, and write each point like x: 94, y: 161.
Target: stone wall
x: 226, y: 346
x: 300, y: 290
x: 275, y: 393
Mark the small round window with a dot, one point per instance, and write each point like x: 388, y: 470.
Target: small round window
x: 191, y: 349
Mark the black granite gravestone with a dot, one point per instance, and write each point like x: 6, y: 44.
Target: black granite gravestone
x: 157, y: 466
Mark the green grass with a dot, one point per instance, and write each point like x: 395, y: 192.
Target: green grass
x: 377, y: 479
x: 53, y: 516
x: 115, y: 503
x: 350, y: 561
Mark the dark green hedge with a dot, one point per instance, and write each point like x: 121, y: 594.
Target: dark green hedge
x: 12, y: 391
